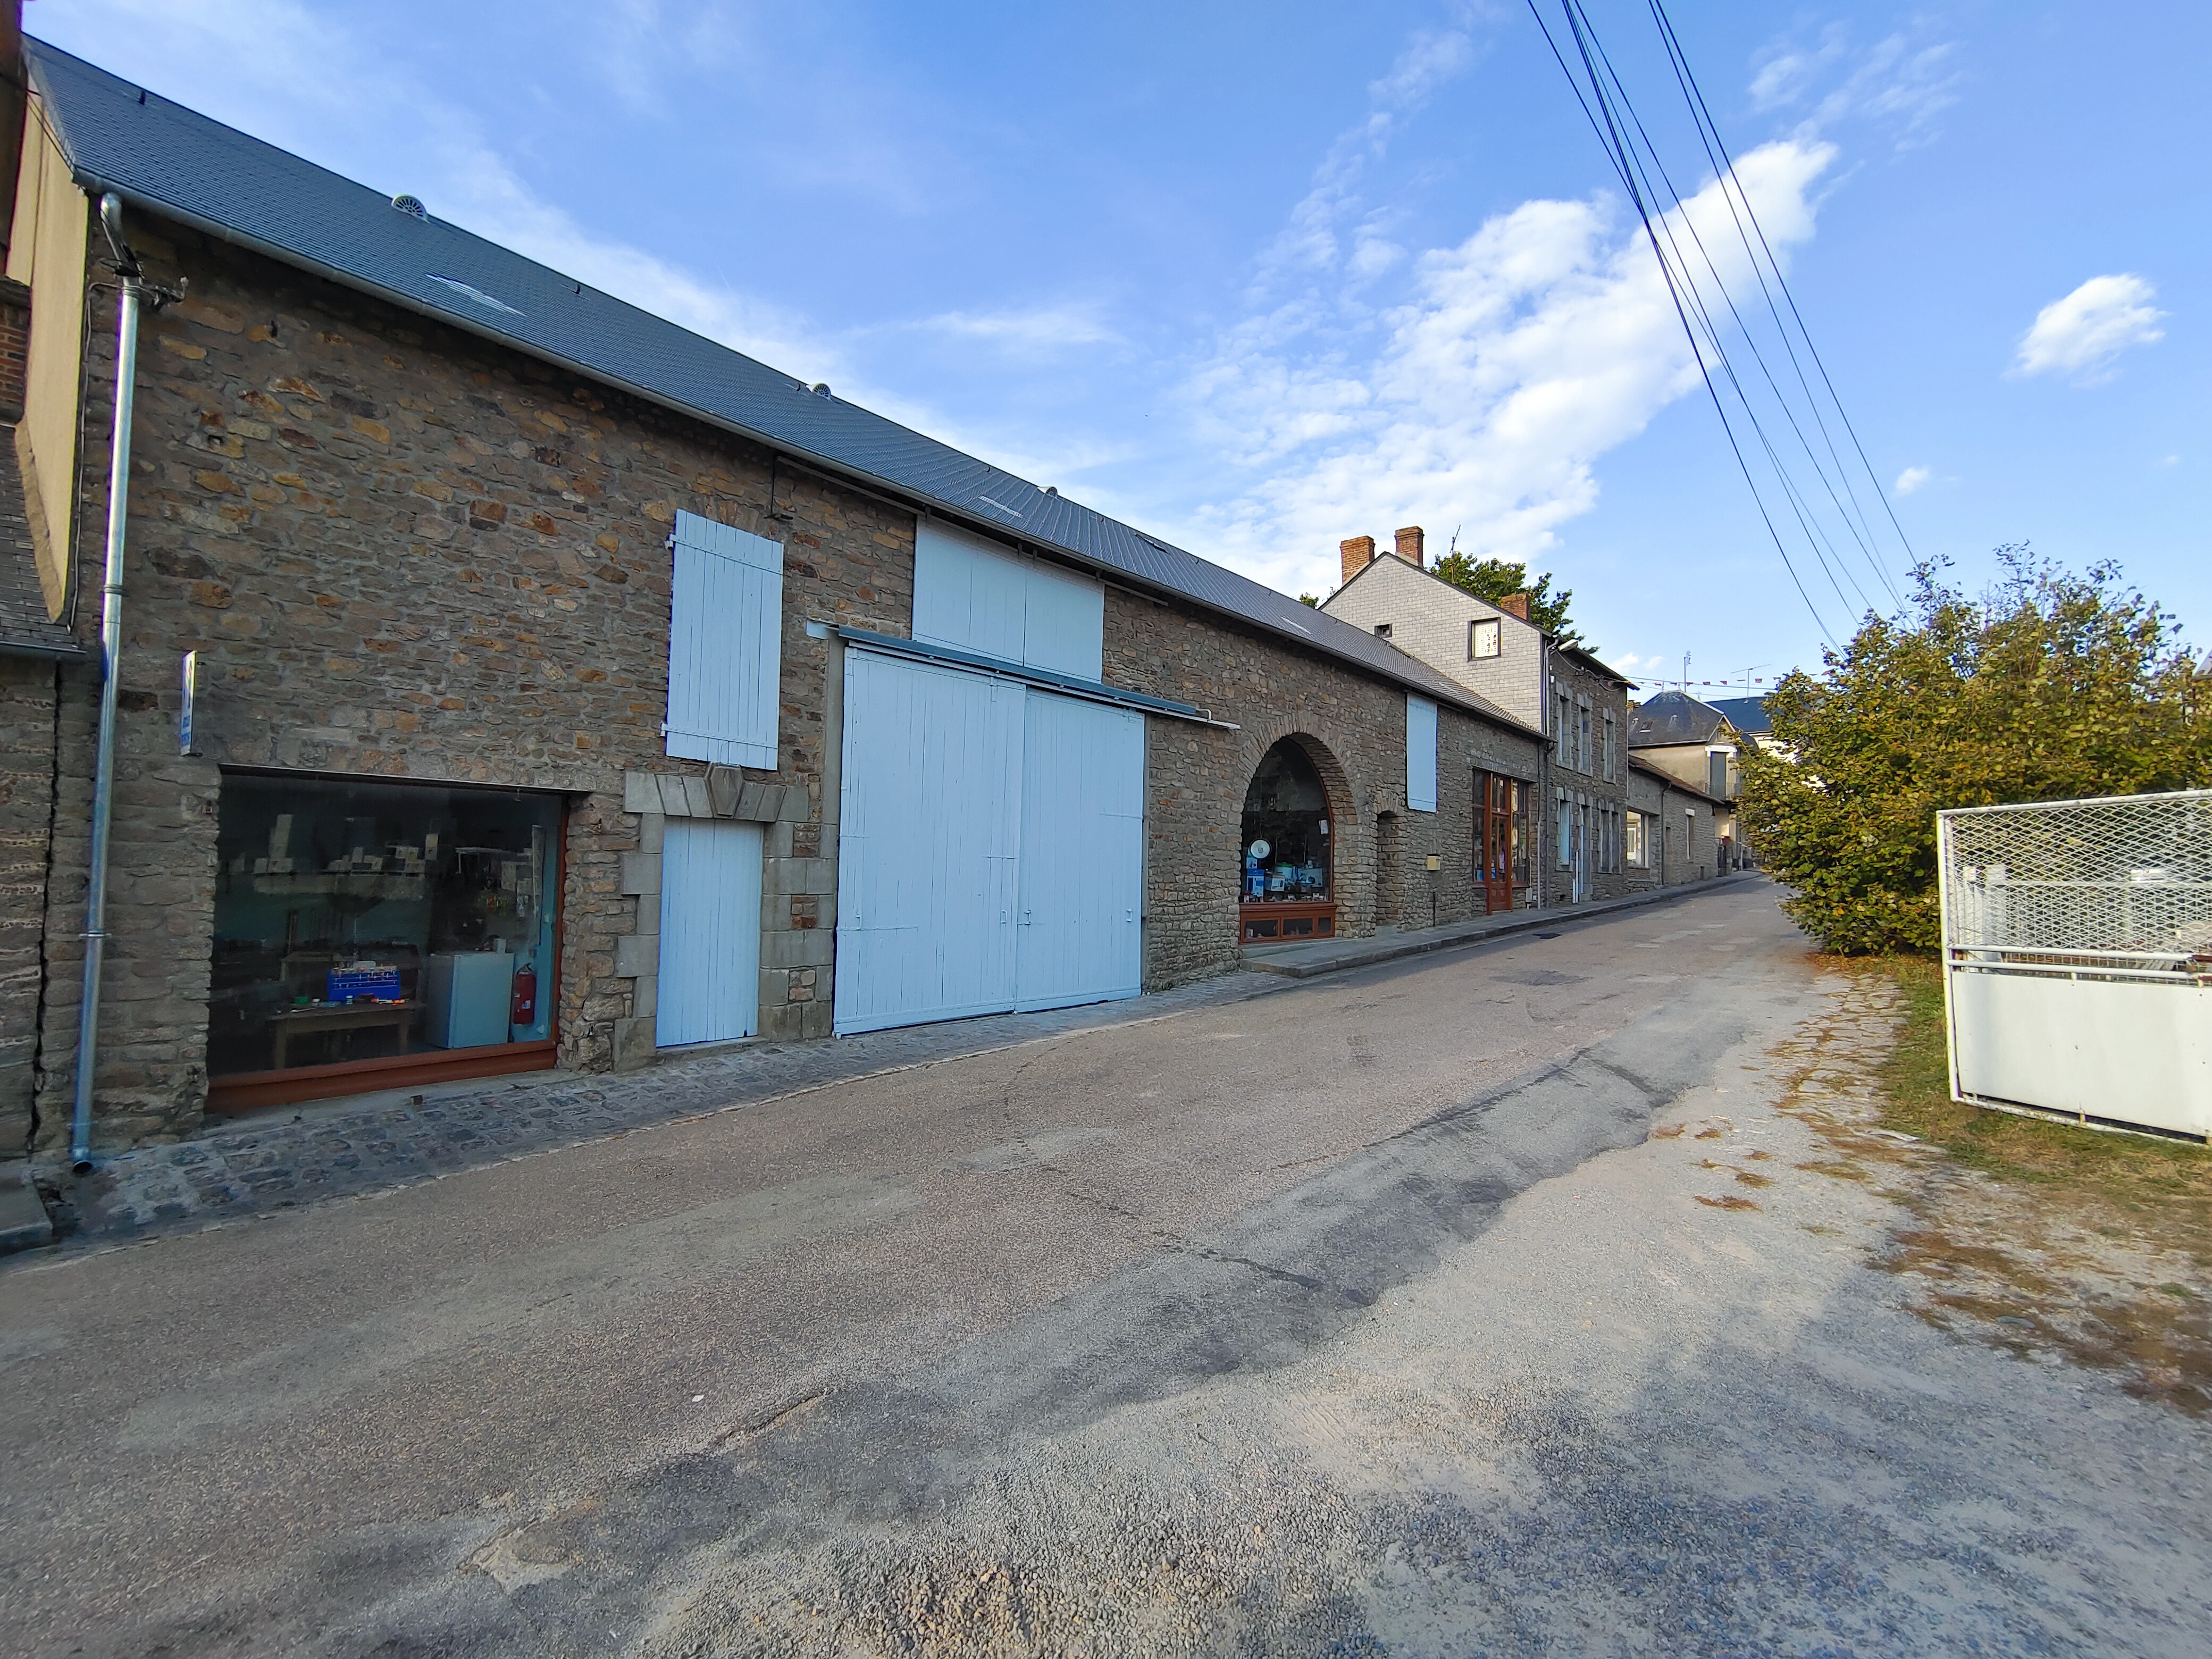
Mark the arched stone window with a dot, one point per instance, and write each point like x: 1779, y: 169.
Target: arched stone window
x: 1285, y: 879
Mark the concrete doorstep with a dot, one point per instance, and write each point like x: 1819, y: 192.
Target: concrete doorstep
x: 1331, y: 956
x: 24, y: 1223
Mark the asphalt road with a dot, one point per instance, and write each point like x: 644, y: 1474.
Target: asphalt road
x: 1365, y: 1317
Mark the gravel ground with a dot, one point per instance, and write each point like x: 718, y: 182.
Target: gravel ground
x: 1549, y: 1297
x: 1666, y: 1404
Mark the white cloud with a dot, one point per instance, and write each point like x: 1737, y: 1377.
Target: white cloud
x: 2080, y: 335
x: 1515, y: 360
x: 1911, y: 479
x: 1033, y: 332
x: 1900, y: 83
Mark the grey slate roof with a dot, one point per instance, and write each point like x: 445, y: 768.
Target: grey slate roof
x: 1672, y: 717
x: 160, y: 156
x: 1746, y: 715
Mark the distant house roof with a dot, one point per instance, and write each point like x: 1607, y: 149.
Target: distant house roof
x: 1673, y: 717
x: 160, y: 156
x: 1746, y: 715
x: 1676, y: 784
x: 1585, y: 658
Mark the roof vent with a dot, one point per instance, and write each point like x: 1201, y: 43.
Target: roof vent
x: 1052, y: 489
x: 411, y: 206
x: 822, y: 388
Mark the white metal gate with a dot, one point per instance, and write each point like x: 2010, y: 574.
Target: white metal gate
x: 990, y: 846
x: 2077, y: 957
x: 710, y: 926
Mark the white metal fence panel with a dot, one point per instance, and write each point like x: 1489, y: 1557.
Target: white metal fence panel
x: 710, y: 927
x: 1083, y: 827
x: 2077, y: 957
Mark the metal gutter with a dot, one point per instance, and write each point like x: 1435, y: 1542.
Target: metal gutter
x: 1066, y: 684
x: 42, y: 653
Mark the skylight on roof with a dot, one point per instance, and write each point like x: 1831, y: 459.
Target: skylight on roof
x: 491, y: 301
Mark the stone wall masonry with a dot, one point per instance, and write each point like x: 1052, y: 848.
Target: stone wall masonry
x: 1353, y: 726
x: 405, y: 552
x: 27, y: 758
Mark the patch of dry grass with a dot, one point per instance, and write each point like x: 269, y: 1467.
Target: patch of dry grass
x: 2160, y: 1186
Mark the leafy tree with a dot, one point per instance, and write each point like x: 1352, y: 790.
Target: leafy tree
x: 1491, y: 580
x: 2051, y: 686
x: 1313, y: 600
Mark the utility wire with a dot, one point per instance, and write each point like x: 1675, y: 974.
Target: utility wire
x: 1689, y: 224
x: 1831, y: 562
x: 1703, y: 113
x: 1615, y: 156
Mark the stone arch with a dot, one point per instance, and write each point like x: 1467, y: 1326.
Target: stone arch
x: 1352, y: 856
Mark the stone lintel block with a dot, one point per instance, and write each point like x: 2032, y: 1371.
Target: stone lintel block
x: 640, y: 873
x: 783, y: 878
x: 785, y: 1023
x: 673, y: 800
x: 637, y: 955
x: 696, y: 798
x: 795, y: 805
x: 725, y: 785
x: 641, y: 793
x: 799, y: 947
x: 634, y: 1048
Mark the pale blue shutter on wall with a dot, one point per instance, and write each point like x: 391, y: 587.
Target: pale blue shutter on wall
x: 724, y: 644
x: 1421, y: 753
x: 975, y: 596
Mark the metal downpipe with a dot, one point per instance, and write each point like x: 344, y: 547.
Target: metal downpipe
x: 110, y: 657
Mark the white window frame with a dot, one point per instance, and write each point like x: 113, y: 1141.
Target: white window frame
x: 1637, y: 849
x: 1486, y: 631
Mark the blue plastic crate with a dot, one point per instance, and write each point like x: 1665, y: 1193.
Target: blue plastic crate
x: 347, y: 983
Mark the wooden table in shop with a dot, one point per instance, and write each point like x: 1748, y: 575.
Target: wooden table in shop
x: 338, y: 1017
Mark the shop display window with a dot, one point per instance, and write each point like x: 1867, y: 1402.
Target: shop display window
x: 1285, y: 857
x: 364, y: 921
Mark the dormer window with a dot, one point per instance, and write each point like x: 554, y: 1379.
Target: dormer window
x: 1381, y: 630
x: 1485, y: 638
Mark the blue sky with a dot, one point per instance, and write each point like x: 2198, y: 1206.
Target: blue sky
x: 1257, y: 278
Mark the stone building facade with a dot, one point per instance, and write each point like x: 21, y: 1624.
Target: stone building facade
x: 1579, y: 704
x: 402, y: 553
x: 1676, y: 837
x: 1352, y: 725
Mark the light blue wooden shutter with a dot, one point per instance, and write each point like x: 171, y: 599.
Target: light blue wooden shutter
x: 1421, y: 753
x: 724, y: 644
x: 975, y: 596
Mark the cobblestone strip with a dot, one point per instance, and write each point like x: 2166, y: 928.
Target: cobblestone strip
x: 240, y: 1169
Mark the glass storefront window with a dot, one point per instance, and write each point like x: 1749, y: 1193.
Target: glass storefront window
x: 1285, y: 849
x: 357, y: 922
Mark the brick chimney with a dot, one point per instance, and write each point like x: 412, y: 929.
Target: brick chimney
x: 1515, y: 604
x: 1410, y: 541
x: 1358, y: 554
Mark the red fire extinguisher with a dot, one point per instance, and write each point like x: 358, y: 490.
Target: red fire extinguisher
x: 525, y: 1010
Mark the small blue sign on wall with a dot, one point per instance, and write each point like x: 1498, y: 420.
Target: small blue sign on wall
x: 185, y: 710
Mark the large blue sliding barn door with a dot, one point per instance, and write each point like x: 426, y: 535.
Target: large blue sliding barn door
x: 929, y: 827
x: 990, y: 846
x: 1083, y: 850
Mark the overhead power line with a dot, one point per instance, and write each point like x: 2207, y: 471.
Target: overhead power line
x: 1716, y: 325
